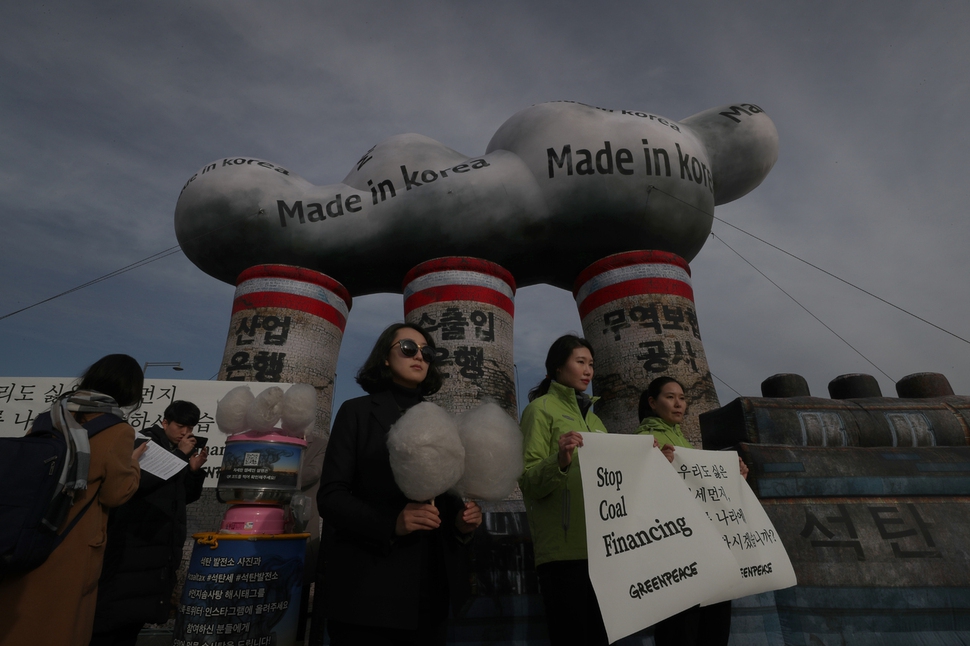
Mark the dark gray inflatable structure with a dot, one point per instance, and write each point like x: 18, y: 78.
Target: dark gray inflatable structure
x: 870, y: 496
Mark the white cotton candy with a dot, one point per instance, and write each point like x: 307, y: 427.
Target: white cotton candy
x: 266, y: 410
x: 299, y: 409
x: 231, y: 410
x: 493, y: 453
x: 427, y: 457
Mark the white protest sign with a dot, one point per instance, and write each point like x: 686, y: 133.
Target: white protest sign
x: 24, y: 398
x: 715, y: 482
x: 652, y: 550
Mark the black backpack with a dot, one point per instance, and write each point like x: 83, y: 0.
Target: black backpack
x: 33, y: 504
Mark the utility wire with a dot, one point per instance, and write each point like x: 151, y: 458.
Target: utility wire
x: 828, y: 273
x: 727, y: 384
x: 135, y: 265
x: 117, y: 272
x: 813, y: 266
x: 714, y: 235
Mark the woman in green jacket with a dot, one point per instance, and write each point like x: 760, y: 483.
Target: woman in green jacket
x: 552, y: 424
x: 662, y: 408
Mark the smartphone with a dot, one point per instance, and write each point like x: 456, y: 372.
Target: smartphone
x: 139, y: 441
x: 200, y: 443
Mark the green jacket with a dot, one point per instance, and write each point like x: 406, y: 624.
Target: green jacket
x: 554, y: 498
x: 664, y: 433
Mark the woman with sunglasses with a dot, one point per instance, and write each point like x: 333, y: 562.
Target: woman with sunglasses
x: 553, y: 425
x: 391, y: 564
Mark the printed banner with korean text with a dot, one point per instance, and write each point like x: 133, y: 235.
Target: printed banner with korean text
x: 715, y: 482
x: 23, y: 398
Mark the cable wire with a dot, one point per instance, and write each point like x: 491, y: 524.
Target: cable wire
x: 842, y: 280
x: 727, y: 384
x: 715, y: 236
x: 135, y: 265
x: 813, y: 266
x: 117, y: 272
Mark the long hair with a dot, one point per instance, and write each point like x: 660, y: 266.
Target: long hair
x: 375, y: 376
x: 653, y: 392
x: 118, y: 376
x: 559, y: 353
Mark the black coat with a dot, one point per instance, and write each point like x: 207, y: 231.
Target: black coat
x: 145, y: 539
x: 371, y: 576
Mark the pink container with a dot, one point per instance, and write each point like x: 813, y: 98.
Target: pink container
x: 253, y: 519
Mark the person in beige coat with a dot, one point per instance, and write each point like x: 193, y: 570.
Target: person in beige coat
x: 54, y: 603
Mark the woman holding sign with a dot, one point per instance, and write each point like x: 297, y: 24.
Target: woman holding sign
x: 662, y: 408
x: 389, y: 564
x: 553, y: 424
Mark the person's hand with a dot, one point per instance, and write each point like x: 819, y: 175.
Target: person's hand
x: 186, y: 444
x: 139, y: 451
x: 668, y: 451
x: 197, y: 460
x: 470, y: 518
x: 744, y: 468
x: 567, y: 443
x: 417, y: 516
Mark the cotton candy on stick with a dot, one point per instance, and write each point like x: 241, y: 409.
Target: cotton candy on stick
x: 299, y: 410
x: 493, y: 453
x: 266, y: 409
x: 427, y: 457
x: 231, y: 410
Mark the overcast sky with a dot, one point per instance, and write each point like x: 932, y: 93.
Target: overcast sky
x: 106, y: 109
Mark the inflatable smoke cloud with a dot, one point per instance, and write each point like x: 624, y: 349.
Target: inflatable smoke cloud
x: 560, y: 186
x: 493, y: 453
x: 426, y: 454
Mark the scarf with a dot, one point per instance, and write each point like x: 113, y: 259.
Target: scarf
x: 74, y: 476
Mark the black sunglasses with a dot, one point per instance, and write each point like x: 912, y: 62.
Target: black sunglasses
x: 409, y: 349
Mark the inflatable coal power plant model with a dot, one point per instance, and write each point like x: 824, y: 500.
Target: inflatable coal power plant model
x: 868, y: 494
x: 609, y: 203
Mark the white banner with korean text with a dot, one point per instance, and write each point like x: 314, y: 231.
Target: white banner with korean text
x: 716, y: 485
x: 23, y: 398
x: 652, y: 550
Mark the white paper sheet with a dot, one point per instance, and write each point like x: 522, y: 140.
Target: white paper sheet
x: 159, y: 462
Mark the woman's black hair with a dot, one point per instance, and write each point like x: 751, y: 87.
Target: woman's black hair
x: 375, y: 376
x: 118, y: 376
x: 653, y: 391
x: 559, y: 353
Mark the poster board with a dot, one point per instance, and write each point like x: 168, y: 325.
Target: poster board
x: 23, y: 398
x: 652, y: 550
x: 715, y: 482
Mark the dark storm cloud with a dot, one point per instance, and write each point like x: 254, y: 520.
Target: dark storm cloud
x: 109, y: 109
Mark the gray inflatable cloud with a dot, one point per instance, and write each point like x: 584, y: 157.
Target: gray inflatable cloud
x: 560, y: 186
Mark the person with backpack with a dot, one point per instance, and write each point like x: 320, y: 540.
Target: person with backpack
x: 146, y: 535
x: 54, y: 603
